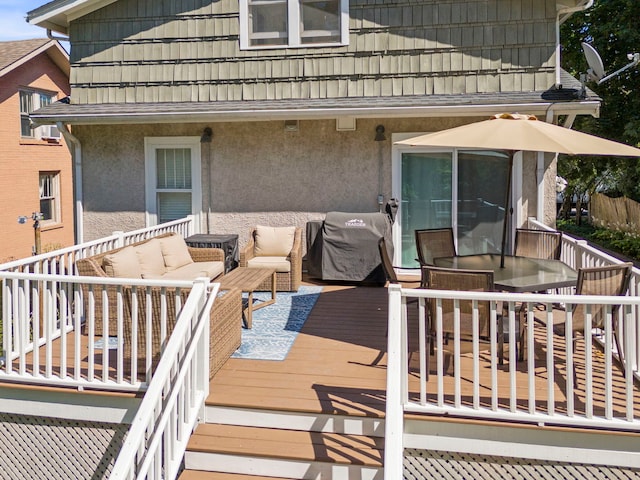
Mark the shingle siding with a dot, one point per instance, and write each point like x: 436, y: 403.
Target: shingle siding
x: 148, y: 51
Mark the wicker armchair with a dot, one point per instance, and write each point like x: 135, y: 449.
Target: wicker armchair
x: 288, y: 268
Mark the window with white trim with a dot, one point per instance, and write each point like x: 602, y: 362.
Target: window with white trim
x: 172, y: 170
x: 50, y: 196
x: 293, y: 23
x: 31, y: 100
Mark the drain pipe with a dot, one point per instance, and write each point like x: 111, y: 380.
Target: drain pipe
x: 561, y: 16
x: 51, y: 36
x: 74, y: 146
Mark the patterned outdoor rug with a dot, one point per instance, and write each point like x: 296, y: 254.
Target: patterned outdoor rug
x: 276, y: 326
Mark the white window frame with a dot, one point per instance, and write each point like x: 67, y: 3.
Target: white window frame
x: 151, y: 144
x: 293, y: 23
x: 43, y: 131
x: 53, y: 195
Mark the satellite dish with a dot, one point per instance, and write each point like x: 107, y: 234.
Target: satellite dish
x: 596, y: 68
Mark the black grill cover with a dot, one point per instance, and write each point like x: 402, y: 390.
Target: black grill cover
x: 344, y: 247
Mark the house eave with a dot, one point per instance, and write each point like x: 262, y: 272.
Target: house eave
x: 181, y: 113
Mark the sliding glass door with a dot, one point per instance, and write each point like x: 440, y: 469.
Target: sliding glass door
x: 464, y: 190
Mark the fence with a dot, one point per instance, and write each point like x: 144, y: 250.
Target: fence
x: 615, y: 213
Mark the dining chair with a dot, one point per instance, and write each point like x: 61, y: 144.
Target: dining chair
x: 440, y: 278
x: 390, y: 271
x: 433, y: 243
x: 609, y: 280
x: 394, y: 278
x: 538, y: 244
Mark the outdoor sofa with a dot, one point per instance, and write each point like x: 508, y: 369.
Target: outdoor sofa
x: 164, y: 257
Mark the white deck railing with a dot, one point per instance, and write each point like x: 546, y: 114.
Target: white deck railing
x: 159, y: 433
x: 539, y: 390
x: 577, y: 254
x: 62, y: 261
x: 52, y: 333
x: 86, y: 332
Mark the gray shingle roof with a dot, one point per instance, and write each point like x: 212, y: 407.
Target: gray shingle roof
x: 11, y: 52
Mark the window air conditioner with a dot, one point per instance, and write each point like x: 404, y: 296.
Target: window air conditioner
x: 50, y: 131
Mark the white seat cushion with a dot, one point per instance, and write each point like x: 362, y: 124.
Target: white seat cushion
x: 150, y: 259
x: 194, y: 270
x: 281, y: 264
x: 175, y: 252
x: 273, y: 241
x: 122, y: 264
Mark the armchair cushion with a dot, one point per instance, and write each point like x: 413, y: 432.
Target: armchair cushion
x: 123, y: 263
x: 175, y: 252
x: 281, y: 264
x: 274, y: 241
x: 150, y: 259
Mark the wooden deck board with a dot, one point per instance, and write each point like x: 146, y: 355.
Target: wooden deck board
x: 291, y: 444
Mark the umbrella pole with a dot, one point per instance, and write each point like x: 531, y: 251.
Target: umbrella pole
x: 507, y: 202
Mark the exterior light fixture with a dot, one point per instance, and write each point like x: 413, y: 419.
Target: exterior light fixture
x: 291, y: 125
x: 380, y: 134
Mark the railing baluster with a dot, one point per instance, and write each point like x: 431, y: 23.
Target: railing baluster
x: 424, y: 350
x: 530, y: 359
x: 551, y: 367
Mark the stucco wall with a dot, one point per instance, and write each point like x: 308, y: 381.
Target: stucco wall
x: 261, y: 173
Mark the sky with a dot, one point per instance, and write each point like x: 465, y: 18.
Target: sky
x: 13, y: 25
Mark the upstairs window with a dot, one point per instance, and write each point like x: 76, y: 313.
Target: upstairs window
x: 293, y: 23
x: 31, y: 100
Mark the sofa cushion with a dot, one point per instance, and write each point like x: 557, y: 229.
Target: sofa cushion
x: 194, y: 270
x: 175, y: 252
x: 274, y: 241
x: 122, y: 264
x: 150, y: 259
x: 281, y: 264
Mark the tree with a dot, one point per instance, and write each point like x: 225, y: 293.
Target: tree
x: 611, y: 26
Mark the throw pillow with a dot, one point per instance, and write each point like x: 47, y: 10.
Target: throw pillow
x: 122, y: 264
x: 150, y: 259
x: 175, y: 252
x: 274, y: 241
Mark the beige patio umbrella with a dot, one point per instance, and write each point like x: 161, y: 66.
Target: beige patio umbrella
x: 513, y: 133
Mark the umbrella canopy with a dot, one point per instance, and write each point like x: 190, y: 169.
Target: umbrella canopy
x: 514, y: 133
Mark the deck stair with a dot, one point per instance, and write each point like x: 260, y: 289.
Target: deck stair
x: 255, y: 444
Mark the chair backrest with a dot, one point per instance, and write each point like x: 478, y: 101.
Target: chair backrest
x: 438, y: 278
x: 538, y: 244
x: 385, y: 259
x: 434, y: 243
x: 610, y: 280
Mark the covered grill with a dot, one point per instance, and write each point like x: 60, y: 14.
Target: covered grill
x: 344, y: 247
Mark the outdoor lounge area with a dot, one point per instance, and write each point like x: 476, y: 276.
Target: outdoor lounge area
x: 360, y: 362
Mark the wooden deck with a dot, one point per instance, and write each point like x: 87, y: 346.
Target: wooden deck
x: 337, y: 365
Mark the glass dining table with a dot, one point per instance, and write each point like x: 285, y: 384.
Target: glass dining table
x: 519, y: 274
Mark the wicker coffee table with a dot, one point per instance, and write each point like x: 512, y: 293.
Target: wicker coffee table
x: 247, y: 280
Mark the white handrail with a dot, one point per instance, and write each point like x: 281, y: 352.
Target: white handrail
x: 168, y: 412
x: 522, y: 398
x: 577, y: 253
x: 40, y: 309
x: 62, y: 261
